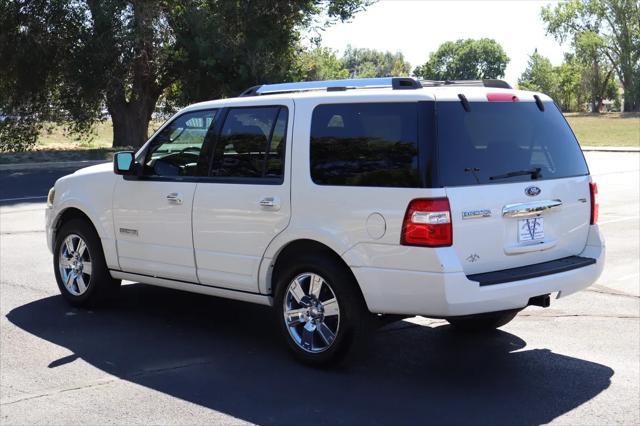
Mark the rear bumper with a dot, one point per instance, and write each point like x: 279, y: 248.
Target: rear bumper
x: 393, y: 291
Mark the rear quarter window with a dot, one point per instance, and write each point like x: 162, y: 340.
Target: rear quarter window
x: 496, y: 139
x: 372, y: 144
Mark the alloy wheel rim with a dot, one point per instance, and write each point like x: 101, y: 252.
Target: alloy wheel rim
x: 74, y: 263
x: 311, y: 313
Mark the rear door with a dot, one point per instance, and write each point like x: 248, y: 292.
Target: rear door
x: 245, y: 202
x: 517, y: 183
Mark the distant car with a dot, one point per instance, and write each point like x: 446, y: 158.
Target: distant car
x: 339, y: 202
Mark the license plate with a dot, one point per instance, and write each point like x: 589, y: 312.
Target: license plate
x: 531, y: 229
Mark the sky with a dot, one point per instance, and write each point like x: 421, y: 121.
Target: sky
x: 416, y: 28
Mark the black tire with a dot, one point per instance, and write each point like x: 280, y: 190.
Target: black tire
x: 355, y: 321
x: 483, y: 322
x: 100, y: 286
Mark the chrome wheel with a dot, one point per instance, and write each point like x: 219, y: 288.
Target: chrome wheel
x: 311, y: 312
x: 74, y: 263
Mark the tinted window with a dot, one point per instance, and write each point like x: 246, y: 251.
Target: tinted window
x: 494, y: 139
x: 251, y: 143
x: 365, y: 145
x: 175, y: 151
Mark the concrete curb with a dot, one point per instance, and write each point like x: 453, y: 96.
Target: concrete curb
x: 51, y: 165
x: 611, y: 149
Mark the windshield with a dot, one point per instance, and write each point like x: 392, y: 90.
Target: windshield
x: 502, y: 142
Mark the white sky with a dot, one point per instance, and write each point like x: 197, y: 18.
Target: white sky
x: 417, y: 28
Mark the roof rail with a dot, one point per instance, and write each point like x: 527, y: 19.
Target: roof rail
x: 488, y: 82
x: 396, y: 83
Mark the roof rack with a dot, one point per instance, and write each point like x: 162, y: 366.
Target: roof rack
x: 487, y: 82
x: 396, y: 83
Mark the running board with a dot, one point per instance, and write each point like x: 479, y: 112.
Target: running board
x: 194, y: 288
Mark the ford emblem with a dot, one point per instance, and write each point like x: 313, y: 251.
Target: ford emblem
x: 532, y: 191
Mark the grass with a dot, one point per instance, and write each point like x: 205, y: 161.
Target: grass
x: 611, y: 129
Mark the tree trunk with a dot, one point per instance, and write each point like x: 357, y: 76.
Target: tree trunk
x: 129, y: 130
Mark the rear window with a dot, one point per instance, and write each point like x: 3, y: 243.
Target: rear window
x: 501, y: 142
x: 373, y: 144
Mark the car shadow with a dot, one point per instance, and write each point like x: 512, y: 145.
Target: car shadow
x: 227, y: 356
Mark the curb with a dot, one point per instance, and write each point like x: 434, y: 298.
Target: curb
x: 610, y: 149
x: 51, y: 165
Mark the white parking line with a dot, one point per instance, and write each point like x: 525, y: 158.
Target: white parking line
x: 23, y: 198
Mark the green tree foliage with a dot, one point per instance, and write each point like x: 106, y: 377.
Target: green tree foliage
x: 368, y: 63
x: 68, y: 60
x: 599, y: 30
x: 320, y: 63
x: 465, y: 60
x: 570, y: 84
x: 539, y: 76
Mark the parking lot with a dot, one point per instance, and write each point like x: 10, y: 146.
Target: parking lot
x: 158, y: 356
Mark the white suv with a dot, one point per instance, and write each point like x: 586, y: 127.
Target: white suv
x: 340, y: 202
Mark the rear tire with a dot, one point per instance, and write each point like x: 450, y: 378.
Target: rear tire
x: 320, y: 311
x: 79, y: 266
x: 483, y: 322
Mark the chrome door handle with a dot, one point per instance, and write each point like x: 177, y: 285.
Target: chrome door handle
x: 269, y: 202
x: 174, y: 198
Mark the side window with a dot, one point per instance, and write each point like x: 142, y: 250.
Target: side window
x: 374, y: 144
x: 251, y: 143
x: 175, y: 151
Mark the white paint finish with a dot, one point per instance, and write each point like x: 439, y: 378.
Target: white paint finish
x: 232, y: 229
x: 90, y: 191
x: 495, y: 239
x: 195, y: 288
x: 163, y: 245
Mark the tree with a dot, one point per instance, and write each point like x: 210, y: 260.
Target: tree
x: 66, y: 60
x: 368, y: 63
x: 539, y: 76
x: 616, y: 26
x: 465, y: 60
x: 570, y: 96
x: 320, y: 63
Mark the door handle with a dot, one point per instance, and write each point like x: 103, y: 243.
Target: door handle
x: 270, y: 203
x: 174, y: 198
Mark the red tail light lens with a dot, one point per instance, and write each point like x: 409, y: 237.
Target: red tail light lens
x: 593, y: 188
x: 427, y: 223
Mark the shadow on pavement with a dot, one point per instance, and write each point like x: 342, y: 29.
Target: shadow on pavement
x: 227, y: 356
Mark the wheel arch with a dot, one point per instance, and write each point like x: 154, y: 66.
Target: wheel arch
x: 67, y: 214
x: 290, y: 250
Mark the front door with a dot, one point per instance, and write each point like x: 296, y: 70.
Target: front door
x: 152, y: 212
x: 246, y: 201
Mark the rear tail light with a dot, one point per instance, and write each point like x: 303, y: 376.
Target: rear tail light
x: 427, y: 223
x: 593, y: 189
x: 502, y: 97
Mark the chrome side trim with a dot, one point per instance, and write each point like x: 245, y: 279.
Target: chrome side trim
x: 533, y: 208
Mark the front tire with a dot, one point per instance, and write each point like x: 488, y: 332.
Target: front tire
x: 483, y: 322
x: 79, y: 266
x: 321, y: 313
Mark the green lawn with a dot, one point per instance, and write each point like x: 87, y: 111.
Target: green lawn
x: 612, y: 129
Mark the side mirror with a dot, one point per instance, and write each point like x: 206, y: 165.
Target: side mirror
x: 124, y: 163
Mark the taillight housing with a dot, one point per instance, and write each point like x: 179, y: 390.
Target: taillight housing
x: 593, y: 189
x: 427, y: 223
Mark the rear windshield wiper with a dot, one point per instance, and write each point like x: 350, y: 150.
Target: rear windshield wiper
x: 535, y: 174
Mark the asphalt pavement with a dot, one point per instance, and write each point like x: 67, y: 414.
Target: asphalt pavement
x: 158, y: 356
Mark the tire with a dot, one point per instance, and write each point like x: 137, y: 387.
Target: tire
x: 79, y: 266
x: 316, y: 332
x: 483, y: 322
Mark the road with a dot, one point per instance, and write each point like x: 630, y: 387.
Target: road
x: 157, y: 356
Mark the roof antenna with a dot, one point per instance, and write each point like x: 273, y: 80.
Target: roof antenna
x: 465, y: 102
x: 539, y: 102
